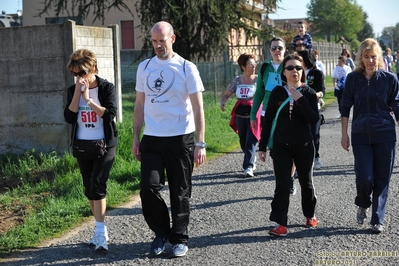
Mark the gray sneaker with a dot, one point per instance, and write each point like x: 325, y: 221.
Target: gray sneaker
x: 377, y: 228
x: 158, y: 246
x: 178, y: 250
x: 361, y: 215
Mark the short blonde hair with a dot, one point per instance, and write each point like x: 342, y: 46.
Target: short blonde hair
x: 83, y: 59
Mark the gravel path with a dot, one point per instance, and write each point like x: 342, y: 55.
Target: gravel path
x: 230, y: 221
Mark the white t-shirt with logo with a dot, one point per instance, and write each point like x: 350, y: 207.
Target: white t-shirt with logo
x: 167, y: 85
x: 340, y: 73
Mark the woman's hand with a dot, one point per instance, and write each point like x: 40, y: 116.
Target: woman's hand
x: 254, y: 125
x: 295, y: 94
x: 222, y: 106
x: 83, y: 85
x: 262, y: 155
x: 345, y: 142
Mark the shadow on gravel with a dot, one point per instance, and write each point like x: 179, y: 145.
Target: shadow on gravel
x: 233, y: 177
x: 247, y: 236
x: 81, y: 254
x: 335, y: 171
x: 127, y: 211
x: 228, y: 202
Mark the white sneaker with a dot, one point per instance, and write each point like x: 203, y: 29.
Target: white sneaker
x: 92, y: 241
x: 254, y: 167
x: 249, y: 172
x: 101, y: 243
x: 317, y: 163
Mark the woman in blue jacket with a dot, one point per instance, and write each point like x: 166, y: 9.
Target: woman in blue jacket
x: 373, y: 93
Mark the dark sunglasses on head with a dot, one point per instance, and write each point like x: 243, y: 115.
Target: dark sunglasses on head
x: 290, y: 68
x: 80, y: 73
x: 274, y: 48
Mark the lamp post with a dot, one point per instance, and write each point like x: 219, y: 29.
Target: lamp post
x: 390, y: 34
x: 392, y: 40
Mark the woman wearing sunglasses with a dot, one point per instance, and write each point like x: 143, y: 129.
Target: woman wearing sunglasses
x: 91, y: 109
x: 292, y: 142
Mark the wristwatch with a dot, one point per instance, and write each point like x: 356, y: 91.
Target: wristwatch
x: 200, y: 144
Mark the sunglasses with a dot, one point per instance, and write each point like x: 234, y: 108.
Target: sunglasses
x: 274, y: 48
x: 80, y: 73
x: 290, y: 68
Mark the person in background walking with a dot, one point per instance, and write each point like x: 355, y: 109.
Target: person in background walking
x: 315, y: 80
x: 338, y: 77
x: 244, y: 86
x: 397, y: 63
x: 269, y: 77
x: 91, y: 109
x: 389, y: 59
x: 374, y: 95
x: 319, y: 64
x: 169, y: 103
x: 349, y: 62
x: 267, y: 80
x: 292, y: 142
x: 299, y: 46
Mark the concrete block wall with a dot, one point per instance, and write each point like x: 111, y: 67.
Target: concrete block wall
x: 34, y: 78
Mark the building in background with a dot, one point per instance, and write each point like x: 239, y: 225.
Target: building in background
x: 10, y: 20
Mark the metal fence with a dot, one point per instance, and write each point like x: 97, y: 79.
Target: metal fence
x: 216, y: 75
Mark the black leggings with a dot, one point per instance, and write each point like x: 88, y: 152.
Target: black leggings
x: 283, y: 157
x: 95, y: 174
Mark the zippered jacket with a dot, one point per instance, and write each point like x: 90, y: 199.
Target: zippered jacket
x: 374, y: 101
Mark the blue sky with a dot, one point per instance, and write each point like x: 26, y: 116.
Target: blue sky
x: 10, y: 6
x: 381, y: 13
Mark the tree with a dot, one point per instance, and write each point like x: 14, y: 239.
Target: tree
x: 84, y: 7
x: 367, y: 31
x: 202, y: 26
x: 335, y: 18
x: 390, y: 37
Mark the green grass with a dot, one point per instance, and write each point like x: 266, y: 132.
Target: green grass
x: 46, y: 193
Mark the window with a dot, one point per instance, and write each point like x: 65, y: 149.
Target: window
x: 127, y: 34
x: 61, y: 20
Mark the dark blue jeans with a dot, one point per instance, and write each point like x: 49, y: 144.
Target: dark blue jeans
x: 175, y: 157
x: 247, y: 141
x: 373, y: 169
x: 338, y: 94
